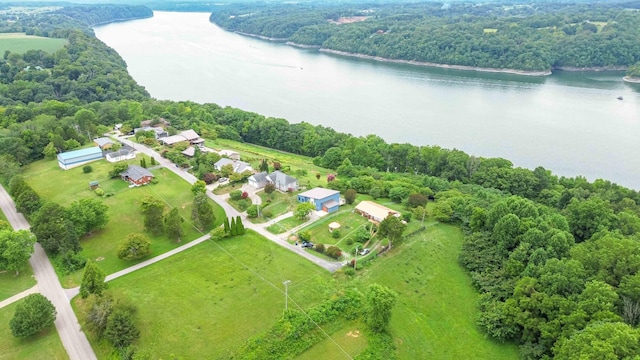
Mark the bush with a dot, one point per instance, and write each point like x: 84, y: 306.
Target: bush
x: 269, y: 188
x: 136, y: 246
x: 235, y: 195
x: 320, y: 248
x: 99, y: 192
x: 71, y: 261
x: 350, y: 196
x: 245, y: 195
x: 407, y: 216
x: 334, y: 252
x: 349, y: 241
x: 267, y: 213
x: 243, y: 204
x: 209, y: 178
x: 362, y: 235
x: 350, y: 271
x: 305, y: 235
x: 335, y: 234
x: 33, y: 314
x: 87, y: 169
x: 252, y: 211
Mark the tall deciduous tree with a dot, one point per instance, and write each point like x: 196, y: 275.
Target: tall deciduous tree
x: 202, y: 211
x: 152, y: 209
x: 303, y: 210
x: 199, y: 187
x: 121, y: 330
x: 88, y: 215
x: 32, y: 315
x: 136, y: 246
x: 92, y: 280
x: 15, y: 249
x: 379, y: 304
x: 392, y: 227
x: 54, y: 231
x: 600, y: 341
x: 350, y: 196
x: 173, y: 224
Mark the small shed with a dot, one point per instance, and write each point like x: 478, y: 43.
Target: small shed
x: 333, y: 226
x: 94, y: 185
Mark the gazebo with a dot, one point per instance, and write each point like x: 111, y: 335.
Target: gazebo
x: 333, y: 226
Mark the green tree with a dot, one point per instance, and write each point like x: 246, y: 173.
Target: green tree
x: 16, y: 248
x: 152, y: 209
x: 350, y: 196
x: 303, y: 210
x: 392, y: 227
x: 264, y: 165
x: 135, y: 246
x: 28, y: 202
x: 588, y: 216
x: 88, y: 215
x: 202, y: 211
x: 601, y: 340
x: 269, y: 188
x: 54, y: 231
x: 199, y: 187
x: 50, y: 151
x: 92, y: 280
x: 227, y: 227
x: 33, y: 314
x: 252, y: 211
x: 240, y: 230
x: 233, y: 229
x: 378, y: 307
x: 121, y: 330
x: 173, y: 224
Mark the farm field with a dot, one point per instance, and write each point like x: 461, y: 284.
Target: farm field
x: 45, y: 176
x: 21, y: 43
x: 208, y: 300
x: 46, y: 345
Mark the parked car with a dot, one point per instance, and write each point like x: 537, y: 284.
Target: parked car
x: 364, y: 252
x: 307, y: 244
x: 223, y: 179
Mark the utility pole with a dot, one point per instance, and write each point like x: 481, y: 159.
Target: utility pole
x: 286, y: 294
x: 424, y: 211
x: 355, y: 263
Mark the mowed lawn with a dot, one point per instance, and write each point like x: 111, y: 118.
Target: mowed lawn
x: 21, y: 43
x: 10, y: 284
x: 435, y: 314
x: 124, y: 218
x: 46, y: 345
x: 207, y: 301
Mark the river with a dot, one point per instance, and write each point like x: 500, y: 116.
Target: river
x: 570, y: 123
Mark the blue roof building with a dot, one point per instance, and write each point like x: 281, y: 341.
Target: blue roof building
x: 71, y: 159
x: 324, y: 199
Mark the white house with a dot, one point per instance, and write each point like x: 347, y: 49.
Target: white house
x: 121, y: 155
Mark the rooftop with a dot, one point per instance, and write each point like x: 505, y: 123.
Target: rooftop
x: 94, y: 150
x: 319, y: 193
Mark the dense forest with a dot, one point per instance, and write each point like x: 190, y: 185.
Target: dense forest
x: 556, y: 259
x: 532, y: 37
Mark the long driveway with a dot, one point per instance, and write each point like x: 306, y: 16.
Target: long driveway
x: 73, y: 339
x: 331, y: 266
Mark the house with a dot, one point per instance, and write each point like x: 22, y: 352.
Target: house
x: 159, y: 132
x: 103, y: 143
x: 259, y: 180
x: 280, y: 180
x: 324, y: 199
x: 238, y: 166
x: 188, y: 135
x: 137, y: 175
x: 375, y: 212
x: 230, y: 154
x: 71, y: 159
x: 126, y: 153
x: 283, y: 182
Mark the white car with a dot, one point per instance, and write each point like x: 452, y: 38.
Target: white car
x: 364, y: 252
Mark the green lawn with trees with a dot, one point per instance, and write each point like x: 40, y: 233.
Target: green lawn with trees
x: 21, y: 43
x: 45, y: 345
x: 10, y: 284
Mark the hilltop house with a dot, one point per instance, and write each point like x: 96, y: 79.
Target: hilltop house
x: 188, y: 135
x: 282, y: 181
x: 137, y: 175
x: 71, y: 159
x: 238, y: 166
x: 324, y: 199
x: 375, y: 212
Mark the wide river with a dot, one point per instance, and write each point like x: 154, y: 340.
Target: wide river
x: 570, y: 123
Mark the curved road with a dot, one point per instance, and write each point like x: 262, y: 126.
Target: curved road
x: 331, y: 266
x: 73, y: 339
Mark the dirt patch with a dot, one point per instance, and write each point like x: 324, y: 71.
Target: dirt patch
x: 354, y: 333
x: 348, y: 20
x: 100, y: 258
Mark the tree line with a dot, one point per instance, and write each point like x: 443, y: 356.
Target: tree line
x: 534, y: 37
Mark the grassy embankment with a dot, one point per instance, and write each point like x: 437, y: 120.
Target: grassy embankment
x: 46, y: 345
x: 66, y: 186
x: 21, y: 43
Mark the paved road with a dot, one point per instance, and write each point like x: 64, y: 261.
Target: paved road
x: 73, y: 339
x: 331, y: 266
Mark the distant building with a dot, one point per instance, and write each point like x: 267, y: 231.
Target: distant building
x: 230, y: 154
x: 103, y: 143
x: 71, y: 159
x: 188, y: 135
x: 375, y: 212
x: 137, y: 175
x: 280, y: 180
x: 323, y: 199
x: 159, y: 132
x: 126, y: 153
x: 238, y: 166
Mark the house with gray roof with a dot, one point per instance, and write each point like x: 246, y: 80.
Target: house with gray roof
x: 103, y: 143
x: 323, y: 199
x: 280, y: 180
x: 238, y: 166
x: 137, y: 175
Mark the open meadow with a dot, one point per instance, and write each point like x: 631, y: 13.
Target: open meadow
x: 45, y: 345
x: 47, y: 178
x: 21, y: 43
x: 207, y: 301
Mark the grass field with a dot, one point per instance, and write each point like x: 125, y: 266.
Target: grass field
x: 434, y: 317
x: 124, y: 218
x: 10, y: 284
x: 351, y: 338
x: 21, y: 43
x: 208, y: 300
x: 285, y: 225
x: 46, y: 345
x: 275, y: 204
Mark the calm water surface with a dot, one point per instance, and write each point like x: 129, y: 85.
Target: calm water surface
x: 570, y: 123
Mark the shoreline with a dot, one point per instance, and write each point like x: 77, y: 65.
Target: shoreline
x: 443, y: 66
x: 631, y: 80
x: 261, y: 37
x: 303, y: 46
